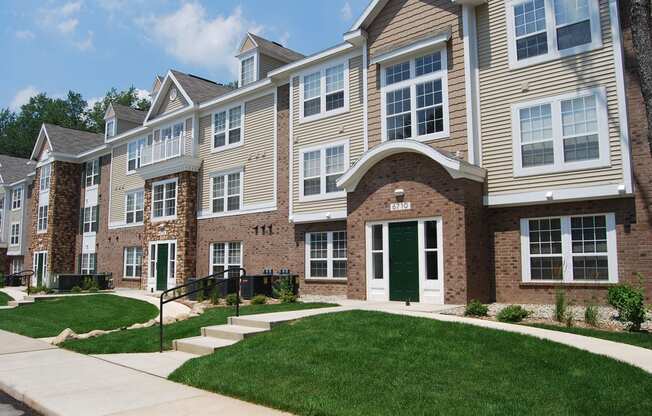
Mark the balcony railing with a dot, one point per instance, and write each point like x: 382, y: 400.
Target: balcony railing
x: 162, y: 150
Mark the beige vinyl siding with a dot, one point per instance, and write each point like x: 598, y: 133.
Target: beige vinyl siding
x: 121, y: 183
x: 349, y: 125
x: 267, y: 64
x: 256, y: 154
x: 167, y: 106
x: 501, y: 87
x: 401, y: 23
x: 248, y: 44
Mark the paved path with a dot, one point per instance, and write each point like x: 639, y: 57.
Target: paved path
x: 12, y: 407
x: 58, y: 382
x: 171, y: 310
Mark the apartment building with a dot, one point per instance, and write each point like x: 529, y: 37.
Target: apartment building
x: 444, y: 151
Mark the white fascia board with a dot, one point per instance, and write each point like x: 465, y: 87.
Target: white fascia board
x: 286, y: 70
x: 369, y: 13
x: 556, y: 195
x: 169, y: 77
x: 166, y: 118
x: 430, y: 42
x: 237, y: 93
x: 127, y: 134
x: 338, y: 215
x: 42, y: 133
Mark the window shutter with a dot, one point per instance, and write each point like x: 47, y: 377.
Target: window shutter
x: 83, y: 176
x: 99, y: 170
x: 79, y: 263
x: 96, y: 223
x: 81, y: 221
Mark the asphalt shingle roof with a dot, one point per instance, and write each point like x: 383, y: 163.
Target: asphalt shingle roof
x: 123, y: 112
x: 277, y: 49
x: 13, y: 169
x: 200, y: 89
x: 71, y: 141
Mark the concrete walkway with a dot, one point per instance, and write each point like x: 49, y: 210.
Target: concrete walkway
x: 58, y: 382
x: 170, y: 310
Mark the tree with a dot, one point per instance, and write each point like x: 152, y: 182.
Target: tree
x: 128, y: 97
x: 641, y: 25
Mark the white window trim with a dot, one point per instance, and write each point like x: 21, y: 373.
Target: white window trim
x: 17, y: 200
x: 322, y: 170
x: 12, y: 235
x: 94, y: 174
x: 17, y: 265
x: 558, y: 142
x: 91, y: 209
x: 139, y: 153
x: 125, y: 264
x: 225, y: 173
x: 42, y: 178
x: 152, y: 259
x: 108, y: 134
x: 228, y: 127
x: 329, y: 257
x: 551, y: 30
x: 182, y: 142
x: 412, y: 83
x: 226, y: 255
x: 134, y: 192
x: 566, y: 254
x: 176, y: 197
x: 244, y: 57
x: 84, y: 268
x: 40, y: 230
x: 322, y: 70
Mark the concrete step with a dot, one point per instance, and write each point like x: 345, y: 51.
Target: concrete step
x: 231, y: 332
x: 201, y: 345
x: 249, y: 322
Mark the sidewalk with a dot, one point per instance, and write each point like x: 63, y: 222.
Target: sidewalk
x: 63, y: 383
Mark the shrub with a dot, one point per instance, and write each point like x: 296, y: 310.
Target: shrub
x: 560, y: 305
x: 2, y: 280
x: 283, y: 290
x: 36, y: 289
x: 259, y: 300
x: 87, y: 283
x: 630, y: 304
x: 476, y: 308
x: 232, y: 299
x: 215, y: 296
x: 76, y: 289
x: 591, y: 314
x: 512, y: 313
x: 200, y: 296
x: 48, y: 291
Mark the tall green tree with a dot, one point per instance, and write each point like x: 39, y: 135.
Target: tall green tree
x: 128, y: 97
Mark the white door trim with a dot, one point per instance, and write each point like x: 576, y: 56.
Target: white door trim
x: 152, y: 258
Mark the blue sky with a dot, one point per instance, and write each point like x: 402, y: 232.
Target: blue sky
x: 89, y: 46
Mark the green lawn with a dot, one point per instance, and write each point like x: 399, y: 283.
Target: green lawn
x: 370, y: 363
x: 47, y: 318
x: 4, y: 299
x: 640, y: 339
x: 147, y: 339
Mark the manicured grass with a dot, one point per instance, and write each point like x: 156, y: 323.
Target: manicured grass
x: 640, y: 339
x: 370, y: 363
x: 4, y: 299
x: 147, y: 339
x: 47, y: 318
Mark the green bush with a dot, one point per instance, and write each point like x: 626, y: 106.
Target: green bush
x: 283, y: 290
x: 87, y: 283
x: 36, y: 289
x: 476, y: 308
x: 591, y: 314
x: 560, y: 306
x: 512, y: 313
x: 215, y: 296
x: 76, y: 289
x: 232, y: 299
x: 630, y: 304
x: 259, y: 300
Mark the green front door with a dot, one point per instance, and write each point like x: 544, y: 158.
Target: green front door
x: 403, y: 261
x: 162, y: 266
x: 40, y: 260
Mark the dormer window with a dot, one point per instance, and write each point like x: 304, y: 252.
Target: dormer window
x: 109, y: 130
x: 247, y: 70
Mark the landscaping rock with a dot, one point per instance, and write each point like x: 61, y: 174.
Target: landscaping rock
x: 93, y: 334
x: 65, y: 335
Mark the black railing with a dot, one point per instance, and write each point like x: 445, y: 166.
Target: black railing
x: 200, y: 285
x: 22, y: 275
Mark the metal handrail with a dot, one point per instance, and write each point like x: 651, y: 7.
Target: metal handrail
x: 211, y: 279
x: 23, y: 274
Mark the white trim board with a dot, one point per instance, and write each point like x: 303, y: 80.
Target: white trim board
x: 556, y: 195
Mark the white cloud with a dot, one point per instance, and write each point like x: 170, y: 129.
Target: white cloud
x: 87, y: 43
x: 345, y: 12
x: 25, y: 35
x: 22, y: 97
x: 141, y: 93
x: 71, y: 8
x: 195, y: 38
x: 67, y: 26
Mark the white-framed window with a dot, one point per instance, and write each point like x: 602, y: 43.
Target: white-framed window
x: 414, y: 97
x: 2, y: 213
x: 248, y: 70
x: 134, y: 154
x: 226, y: 191
x: 320, y: 168
x: 377, y: 252
x: 16, y: 198
x: 576, y: 248
x: 109, y: 128
x: 133, y: 258
x: 92, y: 172
x: 42, y: 219
x: 88, y: 263
x: 543, y: 30
x: 324, y: 91
x: 172, y: 258
x: 563, y: 133
x: 326, y: 256
x: 164, y: 199
x: 228, y: 128
x: 226, y: 255
x: 90, y: 222
x: 16, y: 265
x: 134, y: 207
x: 15, y: 234
x: 44, y: 180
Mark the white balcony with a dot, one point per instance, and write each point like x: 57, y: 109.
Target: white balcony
x: 162, y: 150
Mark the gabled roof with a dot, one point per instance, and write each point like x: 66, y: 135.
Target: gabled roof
x: 123, y: 112
x: 369, y: 14
x: 274, y: 49
x: 14, y: 169
x: 67, y: 141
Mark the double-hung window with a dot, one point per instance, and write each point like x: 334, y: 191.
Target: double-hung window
x: 326, y: 256
x: 569, y: 249
x: 90, y: 219
x: 164, y: 199
x: 414, y: 98
x: 15, y: 234
x: 134, y: 154
x: 226, y: 192
x: 320, y: 169
x: 88, y: 263
x: 541, y: 30
x: 16, y: 198
x: 42, y: 219
x: 92, y: 172
x: 109, y: 128
x: 133, y: 258
x: 44, y: 180
x: 228, y: 128
x: 16, y: 265
x: 324, y: 91
x: 224, y: 256
x: 247, y: 70
x: 562, y: 133
x: 134, y: 207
